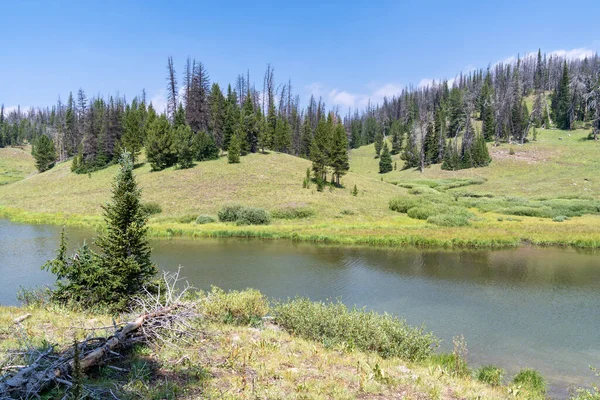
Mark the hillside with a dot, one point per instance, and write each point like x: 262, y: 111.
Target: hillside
x: 559, y: 164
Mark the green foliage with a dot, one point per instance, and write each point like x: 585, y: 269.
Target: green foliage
x: 451, y: 363
x: 385, y: 162
x: 233, y: 152
x: 338, y: 158
x: 247, y: 307
x: 292, y: 213
x: 319, y: 152
x: 378, y: 143
x: 355, y: 191
x: 490, y: 375
x: 44, y: 153
x: 160, y: 144
x: 561, y: 101
x: 110, y: 278
x: 403, y: 204
x: 244, y: 215
x: 204, y: 147
x: 511, y: 151
x: 184, y: 145
x: 253, y: 216
x: 530, y: 380
x: 397, y: 137
x: 151, y: 208
x: 334, y: 323
x: 205, y: 219
x: 592, y: 393
x: 560, y: 218
x: 448, y: 220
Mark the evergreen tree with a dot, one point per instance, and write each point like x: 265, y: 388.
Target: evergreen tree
x: 44, y: 153
x: 233, y: 152
x: 339, y: 153
x: 355, y: 133
x: 250, y: 126
x: 452, y: 160
x: 179, y: 118
x: 431, y: 145
x: 184, y: 144
x: 282, y: 137
x: 216, y: 120
x: 205, y: 147
x: 306, y: 137
x: 385, y: 162
x: 133, y: 129
x: 160, y: 144
x: 397, y: 136
x: 457, y: 113
x: 561, y: 101
x: 231, y: 118
x: 411, y: 154
x: 378, y: 143
x: 319, y: 151
x: 480, y: 157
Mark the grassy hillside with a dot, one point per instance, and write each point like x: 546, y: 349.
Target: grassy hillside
x: 559, y: 164
x: 16, y: 164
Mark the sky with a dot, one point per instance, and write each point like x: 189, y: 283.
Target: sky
x: 348, y: 52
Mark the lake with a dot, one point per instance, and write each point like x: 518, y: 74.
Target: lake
x: 517, y: 308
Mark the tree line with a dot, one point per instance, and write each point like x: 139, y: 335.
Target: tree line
x: 446, y: 122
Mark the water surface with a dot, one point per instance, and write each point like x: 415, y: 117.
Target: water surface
x: 525, y: 307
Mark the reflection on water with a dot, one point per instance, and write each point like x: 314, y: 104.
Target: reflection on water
x: 525, y: 307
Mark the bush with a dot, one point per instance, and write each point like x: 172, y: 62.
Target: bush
x: 424, y: 212
x: 334, y: 323
x: 530, y: 380
x: 490, y: 375
x: 253, y: 216
x: 560, y: 218
x: 229, y: 213
x: 527, y: 211
x: 451, y: 364
x: 403, y: 204
x: 347, y: 212
x: 186, y: 219
x: 204, y: 219
x: 292, y: 213
x: 247, y: 307
x: 448, y: 220
x: 151, y: 208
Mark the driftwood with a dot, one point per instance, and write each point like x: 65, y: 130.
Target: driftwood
x: 166, y: 313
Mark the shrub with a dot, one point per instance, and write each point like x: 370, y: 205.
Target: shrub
x: 530, y: 380
x: 451, y: 364
x: 403, y: 204
x: 151, y: 208
x: 186, y: 219
x: 560, y: 218
x: 253, y: 216
x: 229, y: 213
x: 247, y: 307
x: 423, y: 212
x: 449, y: 220
x: 422, y: 190
x: 204, y: 219
x: 511, y: 151
x: 292, y: 213
x: 347, y: 212
x: 334, y: 323
x: 528, y: 211
x: 490, y: 374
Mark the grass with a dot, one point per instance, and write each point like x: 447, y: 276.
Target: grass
x: 512, y: 201
x: 16, y: 163
x: 232, y: 360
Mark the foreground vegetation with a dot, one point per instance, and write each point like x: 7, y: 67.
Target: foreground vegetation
x: 245, y: 347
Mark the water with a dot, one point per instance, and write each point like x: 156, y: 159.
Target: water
x: 525, y: 307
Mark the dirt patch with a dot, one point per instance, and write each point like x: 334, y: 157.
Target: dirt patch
x: 529, y: 155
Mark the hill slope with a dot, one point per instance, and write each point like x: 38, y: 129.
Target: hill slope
x: 559, y: 164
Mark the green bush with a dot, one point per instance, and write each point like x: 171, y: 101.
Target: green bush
x: 292, y: 213
x: 151, y: 208
x: 422, y: 190
x: 527, y: 211
x: 229, y: 213
x: 186, y: 219
x: 247, y: 307
x: 253, y: 216
x: 449, y: 220
x: 334, y: 323
x: 451, y: 364
x: 204, y: 219
x: 423, y: 212
x: 403, y: 204
x: 490, y: 374
x: 347, y: 212
x: 530, y: 380
x: 560, y: 218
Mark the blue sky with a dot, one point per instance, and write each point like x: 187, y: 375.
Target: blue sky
x: 346, y: 51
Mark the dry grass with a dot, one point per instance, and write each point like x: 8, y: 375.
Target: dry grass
x: 16, y: 163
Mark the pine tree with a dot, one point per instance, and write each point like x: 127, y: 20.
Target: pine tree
x: 179, y: 118
x: 378, y: 143
x: 231, y: 118
x: 561, y: 101
x: 184, y: 144
x: 204, y: 147
x: 160, y: 144
x: 233, y: 152
x: 397, y: 136
x: 452, y: 161
x: 306, y: 137
x: 132, y: 139
x: 339, y: 153
x: 480, y: 156
x: 385, y: 161
x: 457, y: 113
x: 282, y: 137
x: 431, y: 145
x: 216, y: 119
x: 411, y: 153
x: 125, y: 251
x: 249, y: 126
x: 319, y: 152
x: 44, y: 153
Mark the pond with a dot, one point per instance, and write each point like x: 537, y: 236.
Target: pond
x: 517, y: 308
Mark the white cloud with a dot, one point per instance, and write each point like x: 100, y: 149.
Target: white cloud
x: 426, y: 82
x: 159, y: 101
x: 9, y: 109
x: 345, y: 99
x: 573, y: 54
